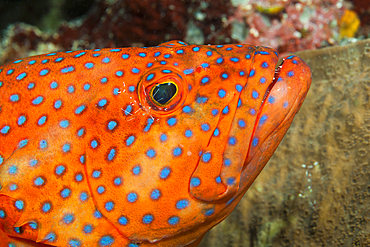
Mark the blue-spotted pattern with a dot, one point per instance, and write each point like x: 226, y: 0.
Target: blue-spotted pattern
x: 91, y: 159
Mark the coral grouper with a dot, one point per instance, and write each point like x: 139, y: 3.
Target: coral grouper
x: 137, y: 146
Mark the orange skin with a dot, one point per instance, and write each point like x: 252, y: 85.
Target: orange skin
x: 88, y: 157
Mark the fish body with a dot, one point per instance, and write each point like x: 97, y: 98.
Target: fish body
x: 138, y: 146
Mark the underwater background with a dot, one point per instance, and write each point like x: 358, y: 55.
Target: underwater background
x: 315, y: 190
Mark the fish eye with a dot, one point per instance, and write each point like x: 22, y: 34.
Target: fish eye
x: 162, y: 90
x: 162, y: 94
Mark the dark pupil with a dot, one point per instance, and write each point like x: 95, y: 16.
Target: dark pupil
x: 162, y: 93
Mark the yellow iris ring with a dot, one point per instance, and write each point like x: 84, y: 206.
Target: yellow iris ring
x: 169, y: 101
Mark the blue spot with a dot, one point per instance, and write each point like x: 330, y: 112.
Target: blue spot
x: 263, y: 52
x: 111, y: 154
x: 80, y: 132
x: 82, y: 159
x: 79, y: 177
x: 43, y: 144
x: 115, y: 50
x: 150, y: 76
x: 13, y: 170
x: 130, y: 140
x: 290, y: 57
x: 68, y: 218
x: 22, y: 143
x: 9, y: 72
x: 209, y: 212
x: 291, y: 73
x: 88, y: 228
x: 1, y: 159
x: 33, y: 225
x: 205, y: 127
x: 218, y: 179
x: 214, y: 112
x: 80, y: 109
x: 252, y: 73
x: 19, y: 204
x: 59, y: 170
x: 51, y: 236
x: 230, y: 181
x: 142, y: 54
x: 147, y: 219
x: 96, y: 174
x: 2, y: 214
x: 109, y: 206
x: 209, y: 53
x: 18, y: 61
x: 128, y: 110
x: 173, y: 220
x: 224, y: 75
x: 80, y: 54
x: 188, y: 133
x: 177, y: 151
x: 102, y: 102
x: 206, y: 157
x: 97, y: 214
x: 157, y: 54
x: 188, y: 71
x: 105, y: 60
x: 252, y: 111
x: 116, y: 91
x: 263, y: 119
x: 195, y: 182
x: 167, y: 56
x: 132, y: 197
x: 239, y: 88
x: 5, y: 130
x: 221, y: 93
x: 295, y: 61
x: 181, y: 204
x: 104, y: 79
x: 232, y: 140
x: 58, y: 104
x: 205, y: 65
x: 71, y: 89
x: 112, y: 125
x: 131, y: 89
x: 122, y: 220
x: 229, y: 49
x: 227, y: 162
x: 67, y: 69
x: 13, y: 187
x: 219, y: 60
x: 59, y: 59
x: 84, y: 196
x: 38, y: 100
x: 53, y: 85
x: 64, y: 124
x: 149, y: 65
x: 165, y: 172
x: 187, y: 109
x: 166, y: 71
x: 39, y: 181
x: 234, y: 59
x: 117, y: 181
x: 241, y: 123
x: 119, y: 73
x: 31, y: 85
x: 265, y: 65
x: 150, y: 121
x: 65, y: 193
x: 216, y: 132
x: 163, y: 62
x: 46, y: 207
x: 180, y: 51
x: 125, y: 56
x: 14, y: 97
x: 241, y: 73
x: 155, y: 194
x: 225, y: 110
x: 205, y: 79
x: 44, y: 72
x: 202, y: 99
x: 87, y: 86
x: 172, y: 121
x: 32, y: 62
x: 196, y: 49
x: 89, y: 65
x: 21, y: 76
x: 135, y: 70
x: 136, y: 170
x: 255, y: 142
x: 285, y: 105
x: 255, y: 94
x: 263, y: 80
x: 74, y: 243
x: 150, y: 153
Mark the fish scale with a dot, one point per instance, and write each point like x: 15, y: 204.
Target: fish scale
x: 138, y: 146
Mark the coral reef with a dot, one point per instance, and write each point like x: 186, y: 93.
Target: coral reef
x: 315, y: 190
x: 287, y: 25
